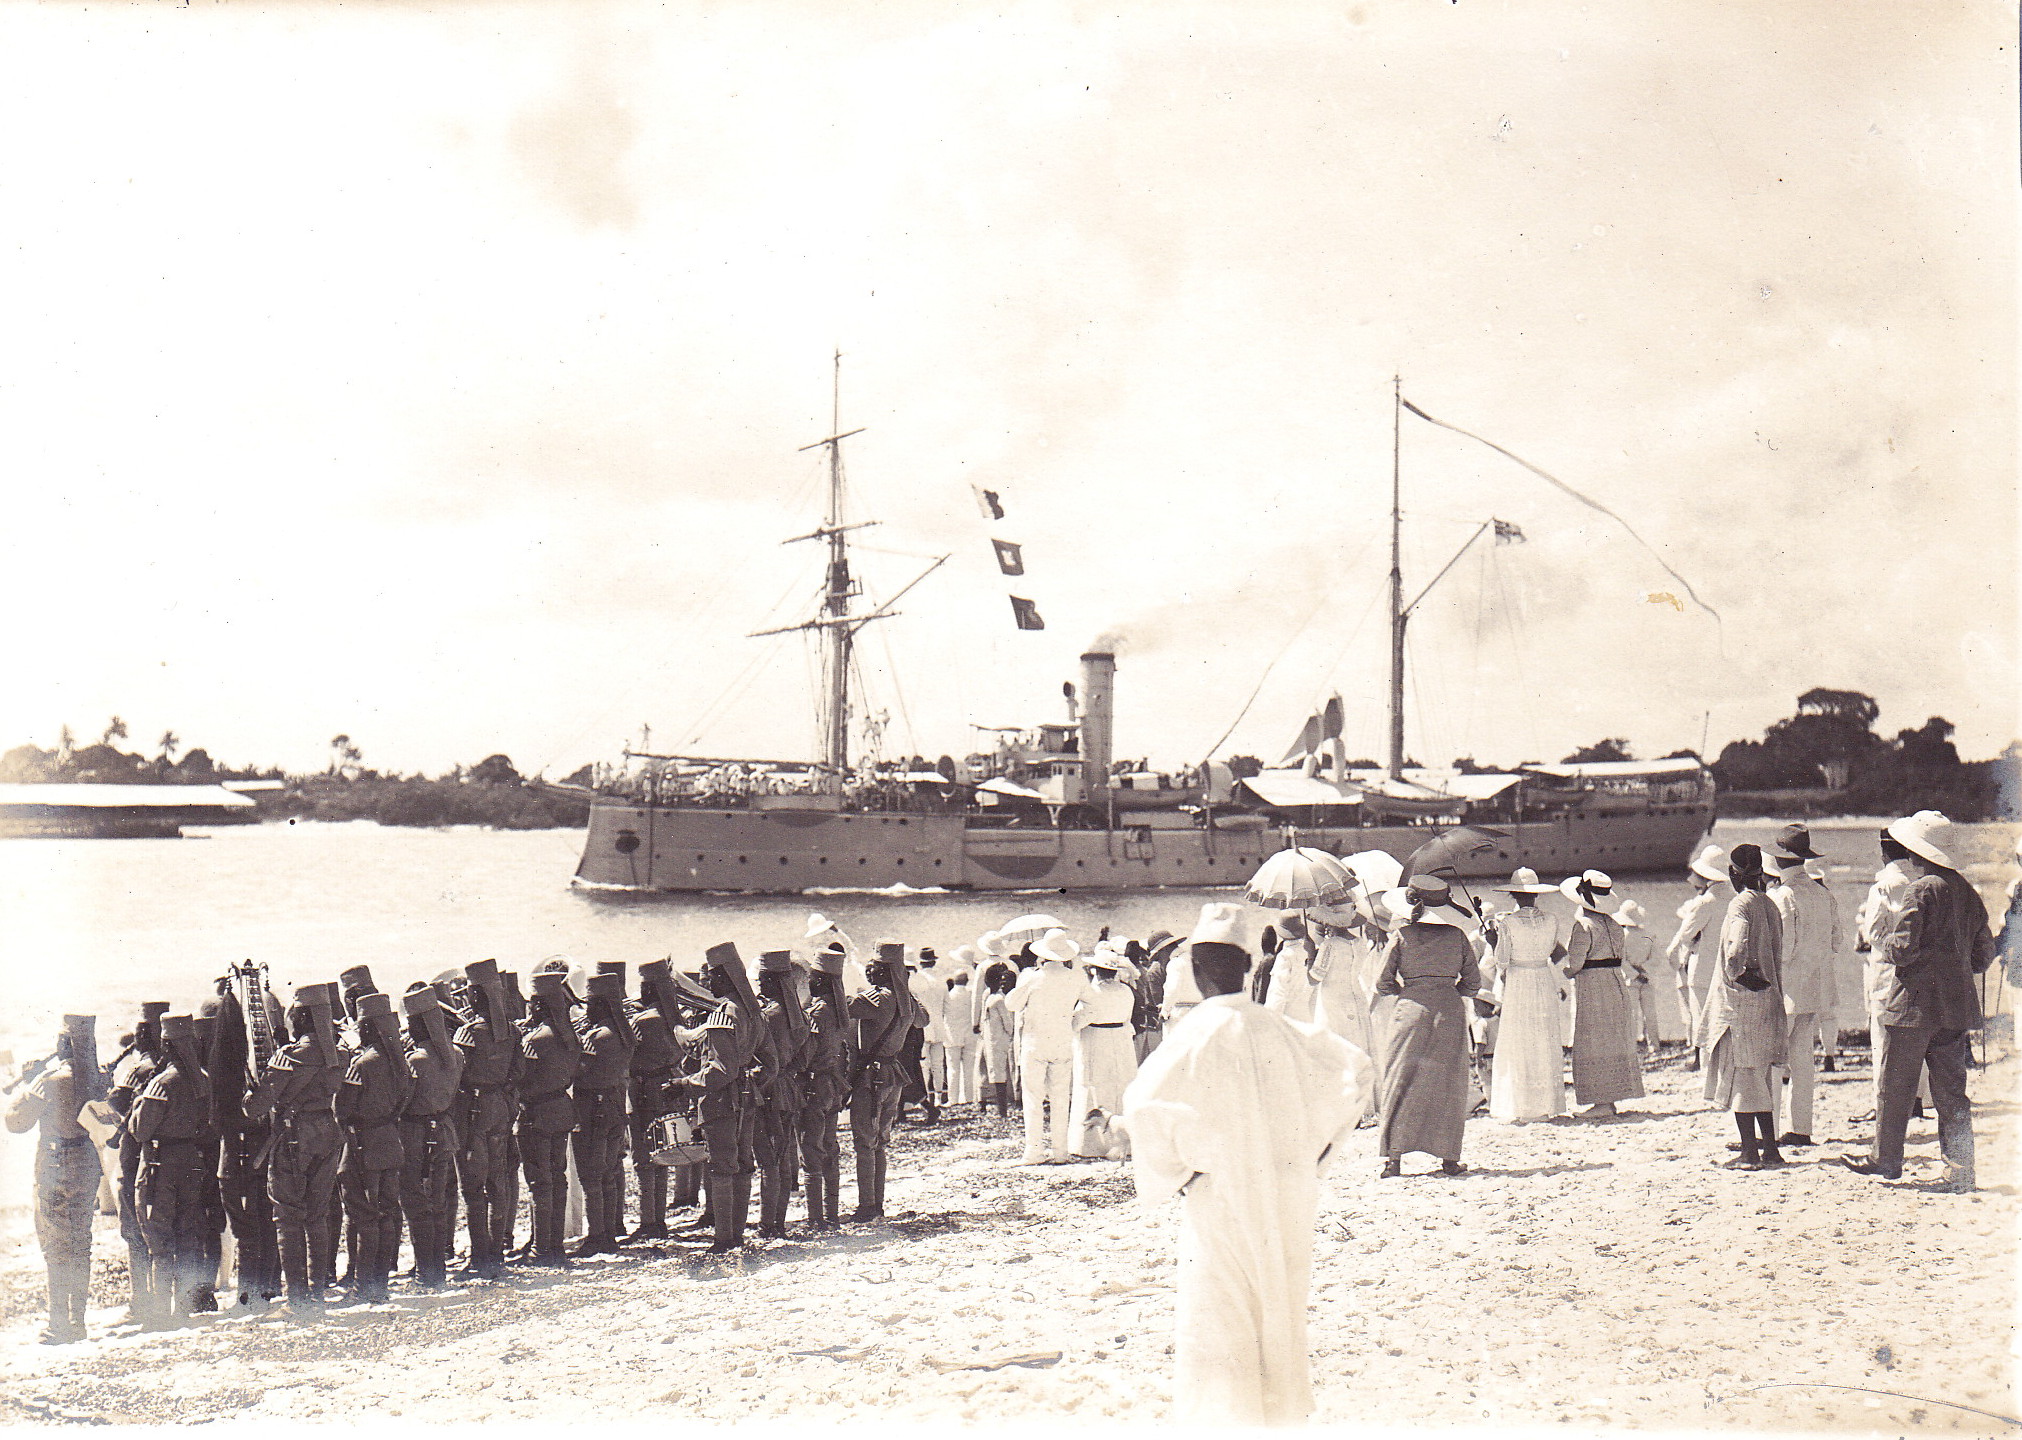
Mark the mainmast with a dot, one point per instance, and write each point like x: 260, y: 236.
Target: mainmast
x: 836, y: 636
x: 1398, y: 614
x: 835, y: 624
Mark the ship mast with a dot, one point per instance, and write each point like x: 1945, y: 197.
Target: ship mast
x: 1398, y: 614
x: 835, y: 624
x: 836, y: 636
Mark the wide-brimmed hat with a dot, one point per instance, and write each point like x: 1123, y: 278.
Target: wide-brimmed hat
x: 1596, y: 882
x: 1923, y: 834
x: 1711, y: 863
x: 991, y: 943
x: 1431, y: 896
x: 964, y: 955
x: 818, y: 925
x: 1058, y: 946
x: 1744, y: 860
x: 1108, y: 955
x: 1795, y: 841
x: 1630, y: 914
x: 1524, y: 881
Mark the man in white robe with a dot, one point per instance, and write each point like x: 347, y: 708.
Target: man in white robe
x: 1238, y: 1112
x: 1811, y: 944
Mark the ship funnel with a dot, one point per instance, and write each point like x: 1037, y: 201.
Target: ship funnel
x: 1098, y: 681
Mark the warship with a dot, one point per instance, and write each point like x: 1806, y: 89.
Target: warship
x: 1050, y: 807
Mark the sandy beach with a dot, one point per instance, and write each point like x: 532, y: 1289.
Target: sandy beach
x: 1601, y: 1275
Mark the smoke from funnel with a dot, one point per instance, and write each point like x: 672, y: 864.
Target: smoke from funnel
x: 1109, y: 642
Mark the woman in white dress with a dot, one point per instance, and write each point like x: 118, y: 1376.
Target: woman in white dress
x: 1528, y: 1081
x: 1605, y: 1066
x: 997, y: 1036
x: 1105, y: 1057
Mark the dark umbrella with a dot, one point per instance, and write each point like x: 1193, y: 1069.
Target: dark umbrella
x: 1442, y: 855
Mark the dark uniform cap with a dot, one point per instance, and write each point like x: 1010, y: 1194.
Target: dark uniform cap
x: 607, y: 987
x: 420, y: 999
x: 612, y: 967
x: 656, y: 969
x: 724, y: 957
x: 316, y: 997
x: 481, y: 972
x: 775, y: 962
x: 374, y: 1006
x: 178, y: 1027
x: 890, y: 952
x: 153, y: 1009
x: 830, y: 962
x: 356, y: 981
x: 552, y: 984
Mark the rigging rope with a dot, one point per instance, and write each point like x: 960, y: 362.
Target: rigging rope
x: 1586, y: 500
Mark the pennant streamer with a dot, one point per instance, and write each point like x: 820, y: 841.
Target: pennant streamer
x: 1591, y: 504
x: 1009, y: 557
x: 1507, y: 534
x: 1027, y: 613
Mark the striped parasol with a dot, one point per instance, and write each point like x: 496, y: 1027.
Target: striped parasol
x: 1299, y: 878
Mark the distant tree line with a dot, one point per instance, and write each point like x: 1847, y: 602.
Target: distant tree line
x: 492, y: 792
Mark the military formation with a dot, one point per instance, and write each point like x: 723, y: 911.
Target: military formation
x: 320, y: 1133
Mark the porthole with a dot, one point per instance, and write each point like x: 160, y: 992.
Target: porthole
x: 700, y: 858
x: 862, y: 861
x: 782, y: 859
x: 1079, y: 864
x: 821, y: 860
x: 937, y: 864
x: 900, y: 861
x: 742, y: 859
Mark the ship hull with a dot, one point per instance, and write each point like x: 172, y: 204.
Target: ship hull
x: 638, y: 847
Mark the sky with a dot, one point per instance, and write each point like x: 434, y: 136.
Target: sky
x: 438, y: 374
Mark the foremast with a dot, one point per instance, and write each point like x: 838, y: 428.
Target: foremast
x: 835, y: 626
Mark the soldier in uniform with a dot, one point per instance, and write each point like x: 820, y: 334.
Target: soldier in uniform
x: 486, y: 1105
x: 655, y: 1062
x: 245, y: 1148
x: 516, y: 1015
x: 552, y: 1057
x: 351, y: 984
x: 295, y: 1098
x: 724, y: 1082
x: 884, y: 1015
x: 210, y: 1026
x: 67, y: 1171
x: 428, y: 1134
x: 608, y: 1043
x: 131, y: 1073
x: 777, y: 1128
x: 171, y: 1121
x: 370, y: 1103
x: 828, y: 1089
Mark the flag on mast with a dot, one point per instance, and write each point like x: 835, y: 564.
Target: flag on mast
x: 1010, y: 557
x: 987, y: 502
x: 1027, y: 614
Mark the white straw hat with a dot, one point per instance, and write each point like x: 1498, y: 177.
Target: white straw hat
x: 1525, y: 882
x: 1631, y: 915
x: 1594, y: 880
x: 1711, y: 864
x: 1057, y: 945
x: 1108, y: 955
x: 1921, y: 833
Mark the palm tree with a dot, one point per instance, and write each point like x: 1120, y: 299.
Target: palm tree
x: 115, y: 729
x: 168, y: 745
x: 66, y: 742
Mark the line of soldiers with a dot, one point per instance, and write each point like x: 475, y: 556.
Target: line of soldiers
x: 355, y: 1116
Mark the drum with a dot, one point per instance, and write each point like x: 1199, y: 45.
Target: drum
x: 675, y: 1140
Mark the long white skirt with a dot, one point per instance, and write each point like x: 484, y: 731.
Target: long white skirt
x: 1529, y: 1081
x: 1105, y: 1062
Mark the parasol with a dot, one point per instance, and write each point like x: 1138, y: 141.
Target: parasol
x: 1442, y: 856
x: 1299, y: 878
x: 1026, y: 929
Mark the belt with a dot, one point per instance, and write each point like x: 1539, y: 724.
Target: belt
x: 1603, y: 965
x: 1104, y: 1025
x: 436, y: 1117
x: 486, y: 1089
x: 64, y: 1142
